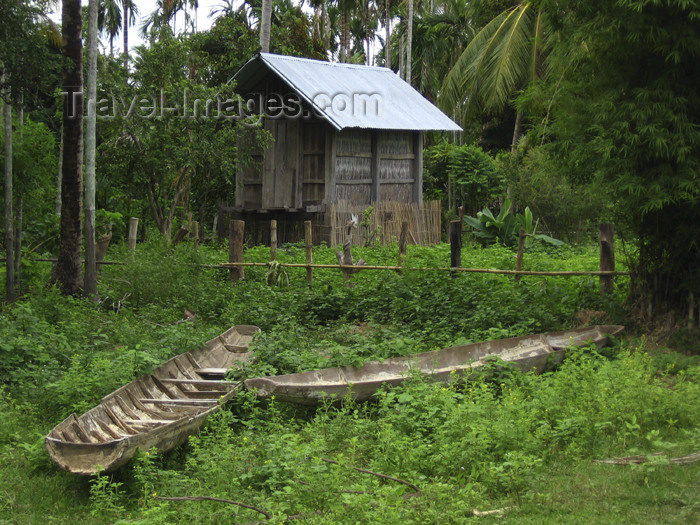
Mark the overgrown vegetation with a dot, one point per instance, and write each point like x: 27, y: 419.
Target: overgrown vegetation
x: 507, y: 440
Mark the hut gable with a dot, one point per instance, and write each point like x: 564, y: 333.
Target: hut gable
x: 377, y: 97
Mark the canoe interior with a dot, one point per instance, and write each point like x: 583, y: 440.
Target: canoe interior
x: 527, y: 353
x: 157, y: 410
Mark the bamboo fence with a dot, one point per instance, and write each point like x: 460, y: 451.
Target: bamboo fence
x: 384, y: 222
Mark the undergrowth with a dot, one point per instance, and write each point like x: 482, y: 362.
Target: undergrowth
x: 421, y: 453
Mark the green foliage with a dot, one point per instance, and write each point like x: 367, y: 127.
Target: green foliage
x: 461, y: 176
x: 489, y: 443
x: 505, y: 227
x: 624, y: 115
x: 566, y: 208
x: 473, y: 173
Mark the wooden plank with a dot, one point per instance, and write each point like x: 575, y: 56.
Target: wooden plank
x: 236, y: 349
x: 80, y: 433
x: 268, y: 177
x: 418, y: 167
x: 211, y: 371
x: 180, y: 402
x: 191, y: 359
x: 374, y: 167
x: 351, y: 182
x: 148, y: 422
x: 397, y: 181
x: 152, y: 413
x: 201, y: 382
x: 204, y: 394
x: 330, y: 166
x: 118, y: 421
x: 162, y: 387
x: 355, y: 155
x: 108, y: 429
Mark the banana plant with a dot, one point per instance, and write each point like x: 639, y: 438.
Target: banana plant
x: 505, y: 227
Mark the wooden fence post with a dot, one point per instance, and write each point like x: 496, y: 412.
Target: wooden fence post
x: 195, y: 229
x: 519, y: 260
x: 235, y: 249
x: 403, y: 241
x: 133, y: 232
x: 181, y: 234
x: 455, y: 245
x: 273, y: 240
x: 345, y: 257
x: 308, y: 241
x: 607, y: 257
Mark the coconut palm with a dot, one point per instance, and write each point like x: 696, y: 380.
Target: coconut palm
x: 109, y: 20
x: 506, y: 56
x: 130, y: 12
x: 265, y: 20
x: 69, y: 265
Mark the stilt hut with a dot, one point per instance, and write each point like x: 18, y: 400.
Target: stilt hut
x: 343, y: 134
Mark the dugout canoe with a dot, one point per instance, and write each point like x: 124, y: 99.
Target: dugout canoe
x: 157, y: 410
x: 527, y: 353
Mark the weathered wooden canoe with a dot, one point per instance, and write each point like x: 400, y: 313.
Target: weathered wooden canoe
x: 157, y: 410
x: 361, y: 383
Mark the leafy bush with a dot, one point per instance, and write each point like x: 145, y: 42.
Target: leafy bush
x: 461, y: 176
x: 505, y: 228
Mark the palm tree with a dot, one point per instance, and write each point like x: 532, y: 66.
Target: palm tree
x: 90, y: 128
x: 507, y: 55
x: 387, y: 33
x: 409, y: 41
x: 9, y: 218
x: 68, y: 267
x: 130, y: 12
x: 109, y: 20
x: 265, y: 19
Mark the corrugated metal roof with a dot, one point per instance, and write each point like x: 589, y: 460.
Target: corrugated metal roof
x: 349, y: 95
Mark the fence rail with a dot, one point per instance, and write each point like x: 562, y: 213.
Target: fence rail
x: 595, y: 273
x: 236, y: 264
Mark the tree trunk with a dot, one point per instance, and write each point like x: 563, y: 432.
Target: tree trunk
x: 265, y: 26
x: 9, y: 228
x: 59, y: 176
x: 327, y: 26
x: 387, y: 37
x: 409, y: 42
x: 125, y: 22
x: 68, y: 268
x: 91, y: 122
x: 517, y: 131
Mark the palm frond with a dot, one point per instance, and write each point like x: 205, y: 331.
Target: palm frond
x: 501, y: 59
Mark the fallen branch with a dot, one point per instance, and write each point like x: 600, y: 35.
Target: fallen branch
x: 490, y: 512
x: 416, y: 490
x: 220, y: 500
x: 635, y: 460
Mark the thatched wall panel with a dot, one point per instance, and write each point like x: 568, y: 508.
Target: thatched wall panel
x: 395, y: 142
x: 391, y: 169
x: 395, y: 192
x: 354, y: 193
x: 352, y: 168
x: 353, y: 141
